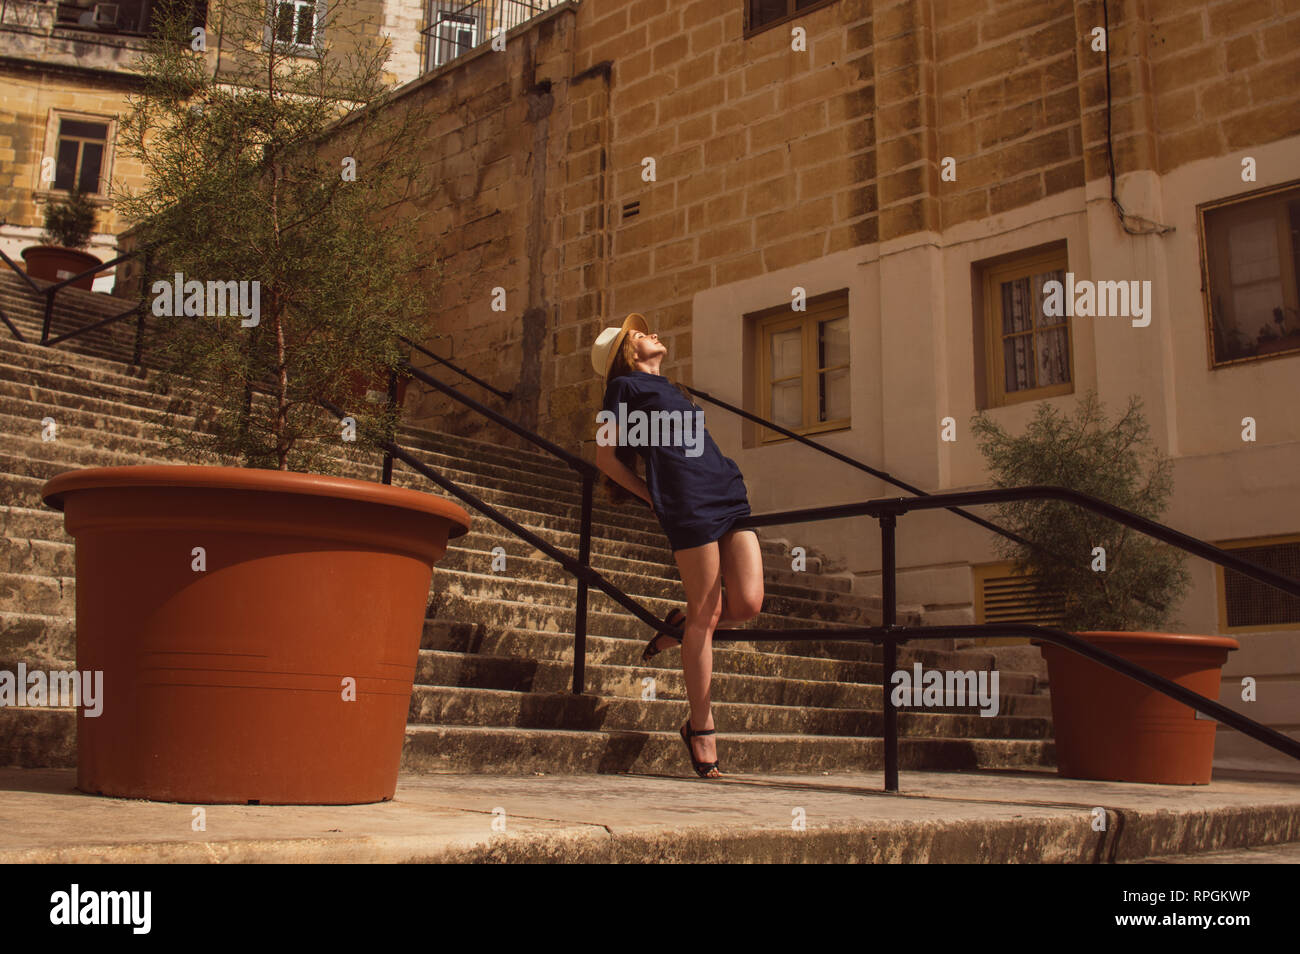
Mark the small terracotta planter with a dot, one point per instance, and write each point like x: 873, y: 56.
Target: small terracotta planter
x: 55, y: 263
x: 1110, y: 727
x: 229, y: 682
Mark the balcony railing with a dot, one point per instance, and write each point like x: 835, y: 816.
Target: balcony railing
x: 453, y: 27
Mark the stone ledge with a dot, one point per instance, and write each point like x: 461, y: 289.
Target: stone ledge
x: 981, y: 817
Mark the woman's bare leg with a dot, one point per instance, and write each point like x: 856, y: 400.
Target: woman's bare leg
x: 701, y: 573
x: 742, y: 570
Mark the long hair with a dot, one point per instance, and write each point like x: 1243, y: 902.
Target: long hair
x: 623, y: 364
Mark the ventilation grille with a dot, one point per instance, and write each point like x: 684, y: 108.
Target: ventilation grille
x: 631, y: 208
x: 1250, y: 603
x: 1005, y: 597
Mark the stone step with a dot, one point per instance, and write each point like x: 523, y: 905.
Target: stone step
x: 41, y: 595
x: 111, y: 343
x: 40, y: 641
x: 31, y: 456
x: 33, y: 524
x: 538, y: 709
x: 510, y: 751
x: 36, y: 737
x: 495, y: 668
x: 495, y: 587
x: 473, y: 549
x: 65, y: 368
x: 25, y: 490
x: 551, y: 621
x: 32, y: 401
x: 40, y: 557
x: 82, y: 441
x: 733, y: 682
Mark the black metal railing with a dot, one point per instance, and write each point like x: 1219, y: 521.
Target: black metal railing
x: 454, y: 27
x: 50, y: 292
x: 886, y: 511
x: 889, y: 634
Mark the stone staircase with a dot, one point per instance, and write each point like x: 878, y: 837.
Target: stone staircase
x: 493, y: 685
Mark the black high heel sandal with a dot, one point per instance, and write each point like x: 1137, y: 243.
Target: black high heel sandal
x: 702, y: 769
x: 650, y: 650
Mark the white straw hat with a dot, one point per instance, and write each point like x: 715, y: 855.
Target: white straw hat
x: 610, y: 340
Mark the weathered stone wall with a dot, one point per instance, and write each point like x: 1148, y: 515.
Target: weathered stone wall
x: 766, y: 157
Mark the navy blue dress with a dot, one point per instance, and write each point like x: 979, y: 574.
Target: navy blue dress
x: 696, y: 499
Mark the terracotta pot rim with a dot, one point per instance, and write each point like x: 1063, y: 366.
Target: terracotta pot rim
x: 61, y: 248
x: 253, y: 479
x: 1154, y: 640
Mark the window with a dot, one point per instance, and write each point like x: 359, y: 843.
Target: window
x: 1027, y: 354
x: 761, y: 14
x: 296, y: 24
x: 80, y: 149
x: 1250, y: 255
x: 1002, y: 596
x: 134, y: 17
x: 1246, y: 604
x: 453, y: 28
x: 803, y: 372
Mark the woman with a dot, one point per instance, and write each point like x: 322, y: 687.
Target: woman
x: 697, y: 494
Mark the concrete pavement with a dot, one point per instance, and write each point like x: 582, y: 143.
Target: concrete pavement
x: 982, y: 817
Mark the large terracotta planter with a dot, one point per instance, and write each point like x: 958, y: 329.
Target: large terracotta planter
x: 55, y: 263
x: 1111, y: 727
x: 229, y: 683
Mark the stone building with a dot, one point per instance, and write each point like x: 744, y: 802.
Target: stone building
x: 912, y: 173
x: 67, y: 68
x: 841, y: 215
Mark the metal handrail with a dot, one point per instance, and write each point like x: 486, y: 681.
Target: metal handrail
x: 886, y: 511
x: 504, y: 395
x: 50, y: 292
x: 890, y: 479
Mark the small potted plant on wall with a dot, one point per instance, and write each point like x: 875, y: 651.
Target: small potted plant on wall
x: 258, y: 626
x: 69, y: 225
x: 1121, y: 589
x: 1272, y: 341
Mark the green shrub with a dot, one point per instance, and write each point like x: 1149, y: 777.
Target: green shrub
x: 1144, y: 579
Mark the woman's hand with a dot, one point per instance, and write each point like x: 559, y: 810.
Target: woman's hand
x: 607, y: 460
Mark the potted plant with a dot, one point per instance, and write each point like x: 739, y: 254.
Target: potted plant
x: 69, y: 224
x: 1272, y: 342
x: 1120, y: 590
x: 258, y: 626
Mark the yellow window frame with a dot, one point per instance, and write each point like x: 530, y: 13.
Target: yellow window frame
x: 808, y: 321
x: 995, y: 364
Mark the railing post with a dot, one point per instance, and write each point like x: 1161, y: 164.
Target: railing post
x: 138, y: 358
x: 392, y: 403
x: 889, y: 661
x: 580, y: 610
x: 49, y: 316
x: 145, y: 260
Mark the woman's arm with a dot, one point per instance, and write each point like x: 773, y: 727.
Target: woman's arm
x: 620, y: 473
